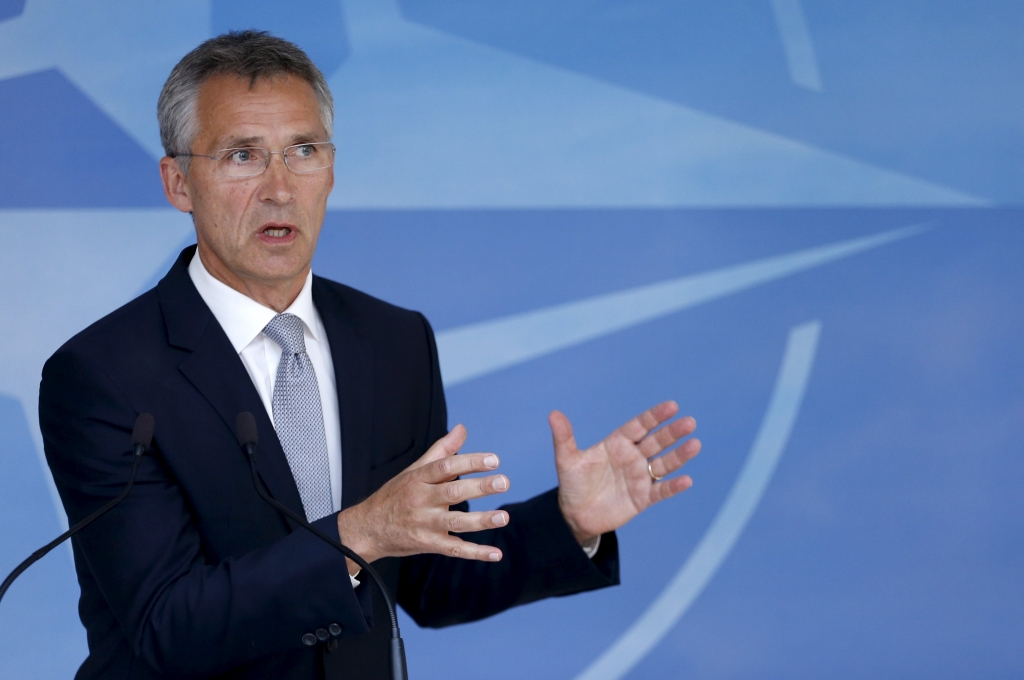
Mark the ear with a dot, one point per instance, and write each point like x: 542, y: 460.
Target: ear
x: 175, y: 184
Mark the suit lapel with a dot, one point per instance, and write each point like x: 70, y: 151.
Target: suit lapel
x: 217, y: 372
x: 353, y: 371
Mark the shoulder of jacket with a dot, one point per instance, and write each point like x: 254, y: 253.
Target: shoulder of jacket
x: 133, y: 323
x: 364, y: 305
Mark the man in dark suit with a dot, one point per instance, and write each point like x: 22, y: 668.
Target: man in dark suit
x: 194, y: 575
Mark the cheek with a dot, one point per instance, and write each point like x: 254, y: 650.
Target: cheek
x: 232, y: 204
x: 221, y: 213
x: 319, y: 196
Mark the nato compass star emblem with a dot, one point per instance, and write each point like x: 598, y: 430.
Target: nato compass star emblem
x: 479, y: 349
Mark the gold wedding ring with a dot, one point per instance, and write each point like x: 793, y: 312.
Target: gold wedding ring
x: 654, y: 477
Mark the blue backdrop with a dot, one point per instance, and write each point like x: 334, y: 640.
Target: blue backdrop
x: 799, y: 218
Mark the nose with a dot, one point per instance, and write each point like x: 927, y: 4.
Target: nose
x: 276, y: 186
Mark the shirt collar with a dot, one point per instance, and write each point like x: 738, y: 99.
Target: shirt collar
x: 241, y: 317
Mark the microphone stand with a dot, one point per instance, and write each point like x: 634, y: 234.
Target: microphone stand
x: 142, y: 435
x: 247, y: 436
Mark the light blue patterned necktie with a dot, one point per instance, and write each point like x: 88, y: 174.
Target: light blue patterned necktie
x: 299, y: 417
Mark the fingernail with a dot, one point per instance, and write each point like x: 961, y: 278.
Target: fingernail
x: 500, y: 484
x: 491, y: 461
x: 499, y: 519
x: 494, y: 557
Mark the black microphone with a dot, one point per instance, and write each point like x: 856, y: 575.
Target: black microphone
x: 142, y: 435
x: 248, y: 437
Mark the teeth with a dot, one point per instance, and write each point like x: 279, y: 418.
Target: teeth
x: 277, y: 232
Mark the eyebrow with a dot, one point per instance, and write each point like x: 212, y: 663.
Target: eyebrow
x: 239, y: 142
x: 243, y: 142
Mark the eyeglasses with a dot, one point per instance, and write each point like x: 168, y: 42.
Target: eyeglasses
x: 251, y: 160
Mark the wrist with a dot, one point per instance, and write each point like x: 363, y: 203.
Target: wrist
x: 584, y: 538
x: 353, y: 539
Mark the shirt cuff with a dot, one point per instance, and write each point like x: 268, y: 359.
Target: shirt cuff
x: 591, y: 550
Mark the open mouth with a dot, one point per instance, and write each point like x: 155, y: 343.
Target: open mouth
x: 276, y: 231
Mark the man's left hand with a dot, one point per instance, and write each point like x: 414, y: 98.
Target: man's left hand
x: 605, y: 486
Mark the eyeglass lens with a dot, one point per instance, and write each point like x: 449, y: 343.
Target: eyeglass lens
x: 300, y: 158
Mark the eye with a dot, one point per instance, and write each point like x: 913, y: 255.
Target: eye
x: 303, y: 150
x: 241, y: 156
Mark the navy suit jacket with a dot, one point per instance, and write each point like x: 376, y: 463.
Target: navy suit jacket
x: 193, y: 575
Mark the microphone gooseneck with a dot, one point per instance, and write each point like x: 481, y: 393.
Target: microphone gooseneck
x: 142, y: 436
x: 248, y: 438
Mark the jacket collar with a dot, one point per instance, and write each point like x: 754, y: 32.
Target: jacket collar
x: 185, y: 313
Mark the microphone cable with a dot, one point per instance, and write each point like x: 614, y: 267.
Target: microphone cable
x: 248, y: 438
x: 142, y: 436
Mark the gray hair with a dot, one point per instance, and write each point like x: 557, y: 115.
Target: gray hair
x: 246, y: 54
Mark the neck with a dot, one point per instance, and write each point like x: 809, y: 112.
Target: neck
x: 278, y: 294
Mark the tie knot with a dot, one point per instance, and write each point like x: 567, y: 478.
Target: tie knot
x: 286, y: 331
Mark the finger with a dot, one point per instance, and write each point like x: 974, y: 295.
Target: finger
x: 637, y: 428
x: 669, y: 487
x: 447, y: 445
x: 672, y: 461
x: 456, y: 547
x: 561, y: 435
x: 453, y: 493
x: 659, y: 440
x: 464, y: 522
x: 448, y: 468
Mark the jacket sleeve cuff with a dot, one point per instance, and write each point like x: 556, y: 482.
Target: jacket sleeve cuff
x: 329, y: 525
x: 566, y: 567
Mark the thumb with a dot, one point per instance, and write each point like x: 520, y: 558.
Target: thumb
x: 561, y: 435
x: 447, y: 445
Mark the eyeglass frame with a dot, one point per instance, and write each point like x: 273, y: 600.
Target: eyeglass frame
x: 223, y: 153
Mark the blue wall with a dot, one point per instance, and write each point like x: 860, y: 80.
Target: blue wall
x: 799, y: 218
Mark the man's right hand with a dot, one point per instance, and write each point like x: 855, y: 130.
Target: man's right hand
x: 409, y: 515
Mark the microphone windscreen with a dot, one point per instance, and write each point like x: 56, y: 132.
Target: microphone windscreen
x: 245, y: 429
x: 142, y: 433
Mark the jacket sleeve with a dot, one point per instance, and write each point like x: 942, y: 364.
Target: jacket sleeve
x: 541, y: 556
x: 181, y: 614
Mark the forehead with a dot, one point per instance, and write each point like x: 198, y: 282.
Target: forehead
x: 277, y: 110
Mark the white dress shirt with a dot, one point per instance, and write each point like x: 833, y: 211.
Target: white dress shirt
x: 243, y: 320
